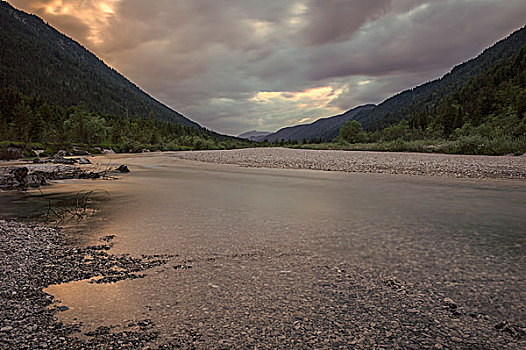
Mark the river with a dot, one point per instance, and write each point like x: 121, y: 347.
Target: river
x: 260, y: 245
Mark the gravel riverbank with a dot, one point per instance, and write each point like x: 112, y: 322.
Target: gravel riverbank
x: 444, y: 165
x: 344, y: 307
x: 34, y: 257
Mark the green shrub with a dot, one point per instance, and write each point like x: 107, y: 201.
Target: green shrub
x: 477, y: 144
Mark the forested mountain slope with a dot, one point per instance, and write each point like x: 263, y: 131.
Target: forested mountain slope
x: 56, y: 94
x: 495, y: 99
x: 38, y: 60
x: 425, y: 98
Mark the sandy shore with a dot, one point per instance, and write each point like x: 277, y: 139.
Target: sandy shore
x: 459, y: 166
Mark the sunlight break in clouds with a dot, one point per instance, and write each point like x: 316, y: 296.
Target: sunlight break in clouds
x: 318, y: 97
x: 364, y: 82
x: 296, y: 107
x: 93, y: 14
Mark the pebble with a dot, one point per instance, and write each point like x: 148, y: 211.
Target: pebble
x: 33, y: 257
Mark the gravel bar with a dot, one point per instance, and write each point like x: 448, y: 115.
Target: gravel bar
x: 444, y: 165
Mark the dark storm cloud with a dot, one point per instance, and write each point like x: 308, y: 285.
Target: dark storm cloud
x: 431, y: 36
x: 337, y: 20
x: 249, y: 64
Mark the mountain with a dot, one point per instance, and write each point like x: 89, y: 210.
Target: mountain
x: 38, y: 60
x: 422, y: 102
x: 425, y: 98
x: 325, y: 129
x: 491, y: 104
x: 56, y: 95
x: 254, y: 135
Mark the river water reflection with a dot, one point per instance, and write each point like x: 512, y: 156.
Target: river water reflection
x: 457, y: 236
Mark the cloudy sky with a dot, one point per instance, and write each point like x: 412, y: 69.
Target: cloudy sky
x: 238, y: 65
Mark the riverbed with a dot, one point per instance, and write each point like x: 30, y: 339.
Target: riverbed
x: 295, y: 258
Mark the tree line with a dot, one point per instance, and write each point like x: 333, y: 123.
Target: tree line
x: 35, y: 121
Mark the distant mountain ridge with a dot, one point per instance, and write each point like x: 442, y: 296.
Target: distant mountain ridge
x: 254, y: 135
x: 40, y: 61
x: 325, y: 128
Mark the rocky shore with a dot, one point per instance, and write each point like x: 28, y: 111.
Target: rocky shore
x: 443, y: 165
x: 34, y: 257
x: 24, y: 176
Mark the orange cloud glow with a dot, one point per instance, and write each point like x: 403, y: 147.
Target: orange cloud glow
x: 95, y: 15
x: 318, y: 97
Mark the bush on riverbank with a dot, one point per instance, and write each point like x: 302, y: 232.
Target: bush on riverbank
x: 463, y: 145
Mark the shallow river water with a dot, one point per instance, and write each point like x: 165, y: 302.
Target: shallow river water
x: 259, y: 240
